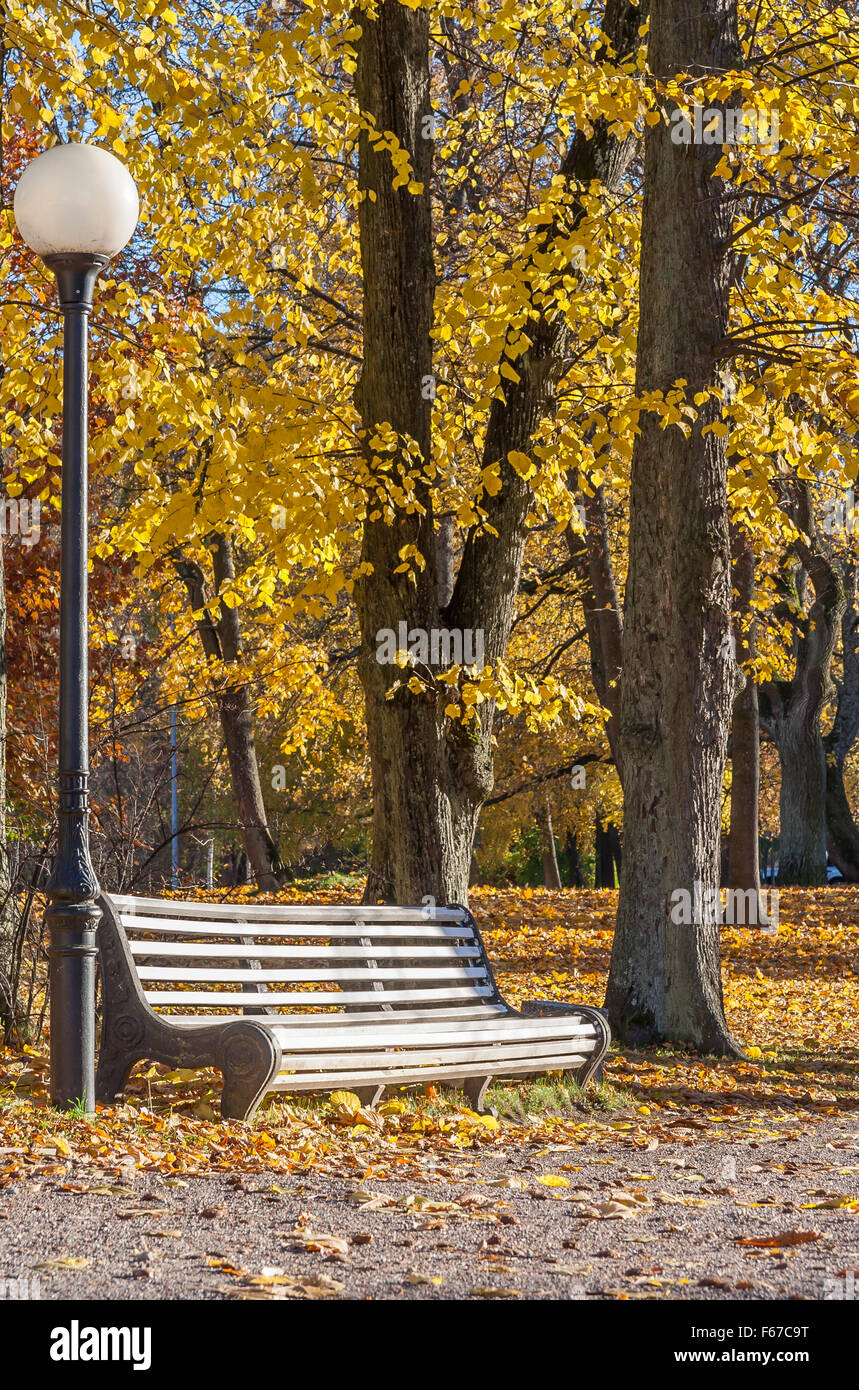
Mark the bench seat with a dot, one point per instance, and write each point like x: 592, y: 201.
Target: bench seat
x: 314, y: 998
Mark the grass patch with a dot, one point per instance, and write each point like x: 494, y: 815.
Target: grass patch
x: 555, y: 1097
x: 510, y: 1101
x: 275, y: 1107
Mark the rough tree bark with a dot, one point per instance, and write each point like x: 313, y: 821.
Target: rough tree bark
x: 222, y: 641
x: 743, y: 856
x: 792, y: 711
x: 842, y: 831
x: 7, y: 916
x: 423, y: 815
x: 431, y: 775
x: 665, y: 981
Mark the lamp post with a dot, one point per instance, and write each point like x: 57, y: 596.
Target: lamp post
x: 76, y: 206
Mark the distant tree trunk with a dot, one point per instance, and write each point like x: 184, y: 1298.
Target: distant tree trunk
x: 431, y: 774
x: 665, y: 981
x: 237, y: 722
x: 7, y: 915
x: 607, y: 855
x: 616, y: 849
x: 602, y: 857
x: 548, y: 849
x: 802, y: 803
x: 445, y: 554
x: 743, y: 857
x: 843, y: 834
x: 793, y: 711
x: 591, y: 552
x: 222, y: 641
x: 574, y: 861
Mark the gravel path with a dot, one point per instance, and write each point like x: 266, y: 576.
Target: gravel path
x: 474, y: 1226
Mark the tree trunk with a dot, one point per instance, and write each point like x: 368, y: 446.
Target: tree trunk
x: 607, y: 855
x: 432, y: 774
x: 802, y: 804
x: 743, y: 857
x: 665, y: 981
x: 7, y: 915
x: 237, y: 722
x: 574, y: 861
x: 601, y: 607
x: 842, y: 837
x: 238, y: 727
x: 843, y: 834
x: 548, y: 849
x: 794, y: 710
x: 222, y: 641
x: 603, y: 875
x: 424, y: 816
x: 445, y: 554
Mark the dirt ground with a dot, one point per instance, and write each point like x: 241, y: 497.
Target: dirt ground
x: 674, y: 1222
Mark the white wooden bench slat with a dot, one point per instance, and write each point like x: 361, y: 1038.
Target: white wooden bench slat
x: 393, y: 996
x: 204, y: 951
x: 446, y: 1049
x: 292, y: 1022
x: 447, y: 1033
x: 405, y: 1076
x: 202, y: 984
x: 438, y: 1056
x: 458, y: 1031
x: 327, y: 973
x: 432, y: 930
x: 285, y: 912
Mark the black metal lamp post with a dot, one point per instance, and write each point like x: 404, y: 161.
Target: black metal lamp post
x: 76, y: 206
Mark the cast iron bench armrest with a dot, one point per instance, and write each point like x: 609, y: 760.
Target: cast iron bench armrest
x: 546, y: 1008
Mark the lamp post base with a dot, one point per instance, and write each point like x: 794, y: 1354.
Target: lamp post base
x: 72, y: 954
x: 72, y: 918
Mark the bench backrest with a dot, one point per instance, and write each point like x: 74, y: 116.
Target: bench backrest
x: 200, y: 958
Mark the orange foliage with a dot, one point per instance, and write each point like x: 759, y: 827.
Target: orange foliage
x: 791, y: 998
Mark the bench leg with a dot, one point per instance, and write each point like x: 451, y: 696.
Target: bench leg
x: 369, y: 1096
x: 475, y: 1089
x: 583, y: 1076
x: 248, y: 1059
x: 114, y: 1069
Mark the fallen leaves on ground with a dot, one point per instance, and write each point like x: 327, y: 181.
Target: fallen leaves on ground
x: 63, y: 1263
x: 316, y: 1242
x: 793, y: 997
x: 274, y: 1282
x: 780, y: 1241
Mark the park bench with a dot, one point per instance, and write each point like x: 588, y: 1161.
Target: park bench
x: 296, y: 998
